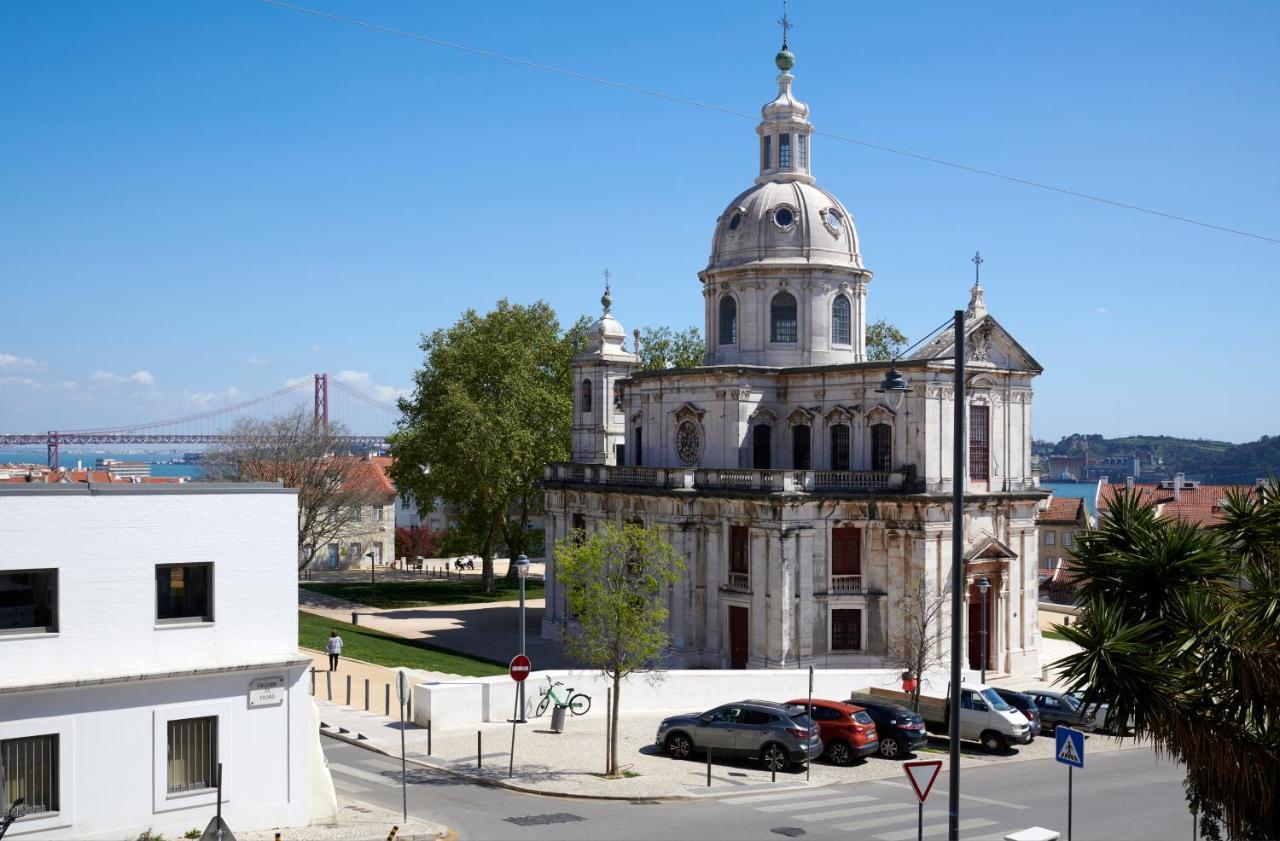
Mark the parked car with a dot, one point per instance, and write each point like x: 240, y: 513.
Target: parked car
x: 1024, y: 704
x: 984, y: 716
x: 1059, y: 708
x: 1101, y: 713
x: 899, y: 730
x: 778, y: 734
x: 847, y: 731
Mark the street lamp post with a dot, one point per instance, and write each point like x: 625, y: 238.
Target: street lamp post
x: 522, y: 569
x: 896, y: 382
x: 983, y: 586
x: 373, y: 575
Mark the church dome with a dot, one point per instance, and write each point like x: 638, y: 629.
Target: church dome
x: 785, y: 221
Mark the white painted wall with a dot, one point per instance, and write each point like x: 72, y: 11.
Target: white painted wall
x: 129, y: 676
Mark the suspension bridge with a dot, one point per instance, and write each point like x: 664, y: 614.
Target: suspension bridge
x: 368, y: 419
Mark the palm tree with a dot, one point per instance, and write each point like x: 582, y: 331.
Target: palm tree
x: 1180, y: 630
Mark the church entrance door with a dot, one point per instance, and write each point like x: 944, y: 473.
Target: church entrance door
x: 975, y: 626
x: 738, y: 625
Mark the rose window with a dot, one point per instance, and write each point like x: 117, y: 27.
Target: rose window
x: 688, y: 442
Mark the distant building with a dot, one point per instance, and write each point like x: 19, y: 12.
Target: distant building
x: 148, y: 635
x: 1178, y: 498
x: 17, y: 474
x: 1060, y: 523
x: 1070, y: 468
x: 124, y: 469
x: 373, y: 528
x: 410, y: 515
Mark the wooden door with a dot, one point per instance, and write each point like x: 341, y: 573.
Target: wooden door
x: 975, y: 626
x: 738, y: 626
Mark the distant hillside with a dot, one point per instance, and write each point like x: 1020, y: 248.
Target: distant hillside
x: 1199, y: 458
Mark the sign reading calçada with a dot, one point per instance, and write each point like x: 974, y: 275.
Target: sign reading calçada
x: 266, y: 692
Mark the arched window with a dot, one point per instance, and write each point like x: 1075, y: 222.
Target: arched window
x: 800, y: 447
x: 840, y: 446
x: 728, y: 321
x: 782, y: 318
x: 882, y: 447
x: 762, y: 446
x: 586, y: 397
x: 765, y: 152
x: 841, y: 321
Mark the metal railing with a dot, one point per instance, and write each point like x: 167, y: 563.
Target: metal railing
x: 846, y: 583
x: 824, y: 480
x: 740, y: 581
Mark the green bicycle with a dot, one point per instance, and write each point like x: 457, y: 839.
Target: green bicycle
x: 577, y: 703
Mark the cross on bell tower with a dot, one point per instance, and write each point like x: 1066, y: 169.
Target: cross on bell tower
x: 977, y: 268
x: 785, y: 23
x: 977, y: 306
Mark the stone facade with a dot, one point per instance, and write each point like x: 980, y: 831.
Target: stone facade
x: 802, y: 497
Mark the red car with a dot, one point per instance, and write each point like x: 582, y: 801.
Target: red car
x: 847, y: 731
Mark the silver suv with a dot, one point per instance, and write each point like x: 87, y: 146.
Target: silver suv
x: 778, y: 734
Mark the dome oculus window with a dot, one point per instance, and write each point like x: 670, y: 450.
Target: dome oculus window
x: 784, y: 217
x: 735, y: 221
x: 688, y: 442
x: 834, y: 221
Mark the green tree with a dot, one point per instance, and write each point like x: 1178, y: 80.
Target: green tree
x: 662, y: 347
x: 884, y: 341
x: 615, y: 582
x: 492, y: 404
x: 1180, y: 630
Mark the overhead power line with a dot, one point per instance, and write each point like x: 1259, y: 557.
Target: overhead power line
x: 573, y: 74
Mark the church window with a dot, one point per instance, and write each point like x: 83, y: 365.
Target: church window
x: 735, y: 221
x: 979, y: 442
x: 802, y: 141
x: 840, y: 446
x: 782, y: 318
x: 688, y: 442
x: 800, y: 447
x: 784, y: 217
x: 784, y: 151
x: 882, y: 447
x: 638, y: 439
x: 846, y: 630
x: 617, y: 398
x: 762, y: 446
x: 586, y: 397
x: 766, y: 153
x: 846, y: 551
x: 728, y: 321
x: 841, y: 321
x: 739, y: 537
x: 579, y: 529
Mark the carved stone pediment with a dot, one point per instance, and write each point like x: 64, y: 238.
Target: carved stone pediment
x: 800, y: 417
x: 688, y: 411
x: 881, y: 412
x: 840, y: 414
x: 763, y: 415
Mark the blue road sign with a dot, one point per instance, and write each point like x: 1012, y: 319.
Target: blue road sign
x: 1070, y: 747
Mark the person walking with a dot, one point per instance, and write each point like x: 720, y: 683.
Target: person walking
x: 333, y: 647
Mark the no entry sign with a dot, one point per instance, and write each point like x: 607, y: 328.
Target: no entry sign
x: 520, y: 666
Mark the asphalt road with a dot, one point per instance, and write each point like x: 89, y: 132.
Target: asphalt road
x: 1121, y: 796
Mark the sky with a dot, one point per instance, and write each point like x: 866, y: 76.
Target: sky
x: 200, y: 202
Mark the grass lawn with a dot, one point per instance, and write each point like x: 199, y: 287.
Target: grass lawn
x: 387, y: 650
x: 431, y: 591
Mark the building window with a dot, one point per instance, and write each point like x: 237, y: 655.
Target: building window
x: 840, y: 447
x: 802, y: 142
x: 586, y: 397
x: 800, y: 447
x: 846, y: 551
x: 193, y: 754
x: 739, y: 563
x: 728, y: 321
x: 1066, y: 538
x: 377, y: 513
x: 766, y: 152
x: 617, y: 399
x: 184, y: 593
x: 639, y: 444
x: 353, y: 551
x: 846, y: 630
x: 762, y: 446
x: 331, y: 554
x: 579, y: 529
x: 979, y: 442
x: 1049, y: 538
x: 377, y: 552
x: 29, y: 768
x: 28, y: 601
x: 882, y: 447
x: 782, y: 318
x: 620, y: 454
x: 841, y: 321
x: 784, y: 151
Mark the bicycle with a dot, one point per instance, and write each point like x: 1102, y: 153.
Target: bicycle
x: 577, y: 702
x: 7, y: 820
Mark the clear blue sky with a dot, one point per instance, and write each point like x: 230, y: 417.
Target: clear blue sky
x: 204, y: 199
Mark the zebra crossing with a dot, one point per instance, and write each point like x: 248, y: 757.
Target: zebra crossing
x: 879, y: 814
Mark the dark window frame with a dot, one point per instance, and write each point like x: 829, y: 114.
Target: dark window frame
x: 171, y: 615
x: 11, y: 599
x: 840, y: 446
x: 784, y: 151
x: 980, y: 442
x: 881, y: 447
x: 40, y: 787
x: 587, y: 396
x: 846, y: 628
x: 841, y: 321
x: 762, y: 446
x: 846, y: 551
x: 784, y: 319
x: 740, y: 550
x: 728, y: 334
x: 801, y: 447
x: 766, y: 152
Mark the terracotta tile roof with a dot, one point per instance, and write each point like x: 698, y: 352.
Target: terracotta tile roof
x: 1062, y: 509
x: 1198, y: 505
x: 372, y: 473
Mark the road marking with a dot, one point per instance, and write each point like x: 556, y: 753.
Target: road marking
x: 780, y: 795
x: 809, y: 804
x: 361, y: 774
x: 349, y: 787
x: 848, y: 813
x: 937, y: 829
x: 859, y: 826
x: 970, y: 797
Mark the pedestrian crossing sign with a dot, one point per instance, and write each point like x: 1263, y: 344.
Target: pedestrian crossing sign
x: 1070, y: 747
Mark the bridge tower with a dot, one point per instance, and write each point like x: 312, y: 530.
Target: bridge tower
x: 51, y: 445
x: 322, y: 400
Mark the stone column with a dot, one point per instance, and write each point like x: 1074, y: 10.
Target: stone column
x: 860, y: 320
x: 761, y: 631
x: 806, y: 571
x: 717, y: 539
x: 782, y: 607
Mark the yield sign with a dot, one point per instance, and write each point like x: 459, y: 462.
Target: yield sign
x: 922, y: 774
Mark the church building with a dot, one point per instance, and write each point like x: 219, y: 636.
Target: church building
x: 803, y: 499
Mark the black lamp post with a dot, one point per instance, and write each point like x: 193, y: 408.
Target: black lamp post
x: 983, y: 586
x: 894, y: 381
x: 373, y: 575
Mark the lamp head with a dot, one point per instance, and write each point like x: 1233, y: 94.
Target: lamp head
x: 894, y: 382
x: 983, y: 585
x: 522, y: 565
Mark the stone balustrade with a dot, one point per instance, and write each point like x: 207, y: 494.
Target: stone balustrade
x: 727, y: 479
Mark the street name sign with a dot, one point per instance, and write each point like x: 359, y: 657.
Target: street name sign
x: 1070, y: 747
x: 520, y: 667
x: 266, y: 692
x: 921, y: 775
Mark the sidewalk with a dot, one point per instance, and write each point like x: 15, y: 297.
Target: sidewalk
x: 572, y: 763
x: 357, y: 821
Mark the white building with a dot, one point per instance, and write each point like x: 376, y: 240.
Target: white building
x: 148, y: 633
x: 802, y: 498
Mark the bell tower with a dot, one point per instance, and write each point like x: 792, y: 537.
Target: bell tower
x: 599, y: 426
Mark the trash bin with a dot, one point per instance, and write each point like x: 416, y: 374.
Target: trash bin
x: 557, y: 718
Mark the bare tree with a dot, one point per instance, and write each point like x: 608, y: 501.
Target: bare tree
x: 301, y: 453
x: 917, y: 643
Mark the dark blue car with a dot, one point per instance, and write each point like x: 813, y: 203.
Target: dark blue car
x: 901, y: 731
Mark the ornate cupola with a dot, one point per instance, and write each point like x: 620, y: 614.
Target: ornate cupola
x: 599, y: 428
x: 785, y: 284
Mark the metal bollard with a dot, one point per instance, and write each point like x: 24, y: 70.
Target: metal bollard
x: 366, y: 694
x: 348, y: 690
x: 387, y: 694
x: 479, y: 754
x: 708, y: 767
x: 355, y: 618
x: 428, y: 737
x: 328, y: 682
x: 313, y: 680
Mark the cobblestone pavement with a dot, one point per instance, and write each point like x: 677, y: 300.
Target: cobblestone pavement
x: 357, y: 821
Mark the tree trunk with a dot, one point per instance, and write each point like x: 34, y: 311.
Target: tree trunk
x: 613, y: 732
x: 486, y: 555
